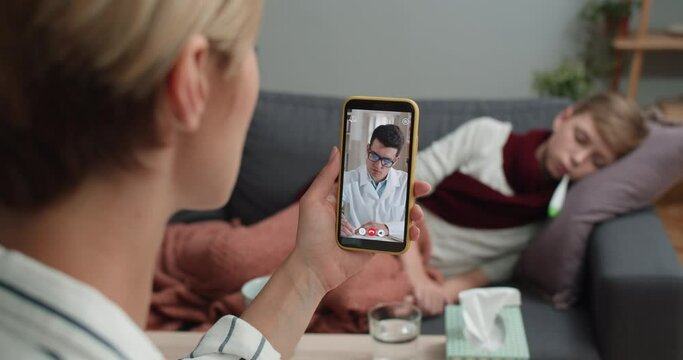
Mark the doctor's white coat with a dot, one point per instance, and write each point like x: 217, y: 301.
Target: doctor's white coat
x: 366, y: 205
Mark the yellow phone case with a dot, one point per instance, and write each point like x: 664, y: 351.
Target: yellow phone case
x: 413, y: 154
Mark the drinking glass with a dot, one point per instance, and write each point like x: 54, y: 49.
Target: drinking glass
x: 394, y: 328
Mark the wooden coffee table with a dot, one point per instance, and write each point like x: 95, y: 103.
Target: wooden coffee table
x: 175, y: 345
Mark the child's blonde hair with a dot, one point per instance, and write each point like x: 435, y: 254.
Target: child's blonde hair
x: 619, y: 121
x: 79, y: 80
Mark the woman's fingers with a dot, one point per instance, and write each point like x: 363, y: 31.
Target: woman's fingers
x: 421, y: 188
x: 416, y: 213
x: 414, y: 232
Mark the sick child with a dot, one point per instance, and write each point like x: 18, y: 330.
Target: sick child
x: 491, y: 188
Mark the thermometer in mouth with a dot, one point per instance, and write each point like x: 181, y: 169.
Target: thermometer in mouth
x: 557, y: 200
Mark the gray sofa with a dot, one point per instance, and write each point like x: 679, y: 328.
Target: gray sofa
x: 633, y: 280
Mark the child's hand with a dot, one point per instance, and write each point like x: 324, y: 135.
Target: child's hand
x: 429, y: 295
x: 454, y: 285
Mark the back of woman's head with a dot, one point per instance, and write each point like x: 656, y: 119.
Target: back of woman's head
x: 79, y: 81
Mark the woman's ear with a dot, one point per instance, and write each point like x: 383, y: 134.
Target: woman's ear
x: 187, y: 84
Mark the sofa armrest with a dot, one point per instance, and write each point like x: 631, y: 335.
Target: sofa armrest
x: 636, y: 284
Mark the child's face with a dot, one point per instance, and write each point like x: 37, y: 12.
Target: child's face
x: 575, y: 148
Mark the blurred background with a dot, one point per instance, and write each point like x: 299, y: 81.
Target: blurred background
x: 483, y: 49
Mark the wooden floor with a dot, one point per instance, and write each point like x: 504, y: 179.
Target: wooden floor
x: 670, y: 209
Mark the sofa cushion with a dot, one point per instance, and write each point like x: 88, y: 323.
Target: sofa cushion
x: 288, y: 142
x: 554, y: 260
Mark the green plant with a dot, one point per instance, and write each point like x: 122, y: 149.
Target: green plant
x: 603, y: 20
x: 603, y: 9
x: 570, y: 80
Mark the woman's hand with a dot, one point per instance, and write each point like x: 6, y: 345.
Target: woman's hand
x: 316, y: 244
x: 283, y: 309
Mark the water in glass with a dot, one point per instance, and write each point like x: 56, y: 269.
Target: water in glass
x: 395, y: 339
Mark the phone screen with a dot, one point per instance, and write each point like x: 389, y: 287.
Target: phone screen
x: 375, y: 180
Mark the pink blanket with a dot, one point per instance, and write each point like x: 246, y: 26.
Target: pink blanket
x: 202, y: 266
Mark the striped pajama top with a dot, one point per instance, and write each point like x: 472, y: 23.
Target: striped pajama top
x: 45, y: 314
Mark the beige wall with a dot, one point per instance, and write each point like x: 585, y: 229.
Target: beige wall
x: 434, y: 48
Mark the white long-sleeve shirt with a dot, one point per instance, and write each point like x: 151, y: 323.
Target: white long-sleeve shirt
x: 476, y: 150
x: 46, y: 314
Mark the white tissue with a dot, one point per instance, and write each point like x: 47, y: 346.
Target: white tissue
x: 480, y: 307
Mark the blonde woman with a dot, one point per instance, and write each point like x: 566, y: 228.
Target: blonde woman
x: 114, y: 114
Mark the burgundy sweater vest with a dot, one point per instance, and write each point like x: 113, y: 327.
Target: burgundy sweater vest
x: 464, y: 201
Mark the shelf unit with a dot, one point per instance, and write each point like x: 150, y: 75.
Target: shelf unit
x: 643, y: 40
x: 650, y: 41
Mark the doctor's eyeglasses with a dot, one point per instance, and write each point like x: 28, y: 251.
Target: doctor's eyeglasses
x: 374, y: 157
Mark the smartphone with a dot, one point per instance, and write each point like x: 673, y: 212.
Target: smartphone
x: 375, y: 195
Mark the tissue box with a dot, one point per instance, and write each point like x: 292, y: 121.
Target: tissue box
x: 514, y: 346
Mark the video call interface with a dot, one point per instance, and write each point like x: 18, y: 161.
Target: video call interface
x: 375, y: 181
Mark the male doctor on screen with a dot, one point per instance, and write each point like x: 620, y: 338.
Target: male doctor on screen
x: 376, y: 192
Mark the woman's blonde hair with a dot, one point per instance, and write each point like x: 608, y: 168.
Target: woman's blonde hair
x: 79, y: 80
x: 619, y: 121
